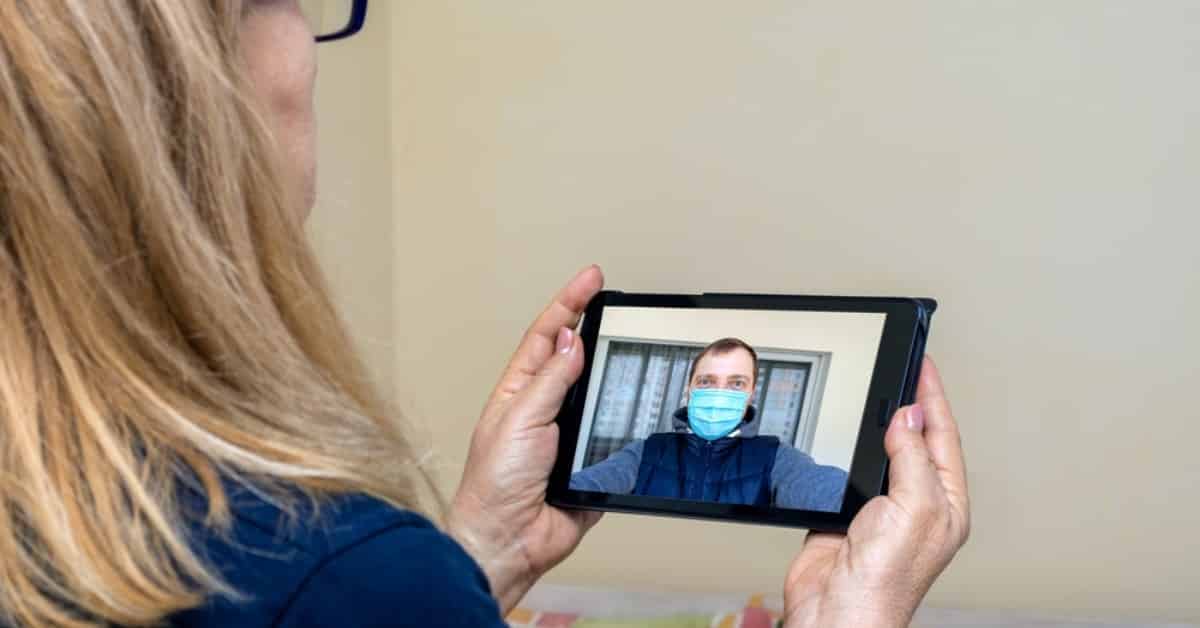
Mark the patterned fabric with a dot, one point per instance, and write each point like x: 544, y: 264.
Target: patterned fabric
x: 753, y: 615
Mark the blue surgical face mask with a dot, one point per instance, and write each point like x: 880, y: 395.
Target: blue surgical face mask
x: 715, y: 412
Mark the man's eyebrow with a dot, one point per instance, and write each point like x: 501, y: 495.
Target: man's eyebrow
x: 739, y: 377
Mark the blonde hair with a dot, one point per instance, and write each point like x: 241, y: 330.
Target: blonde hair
x: 163, y: 321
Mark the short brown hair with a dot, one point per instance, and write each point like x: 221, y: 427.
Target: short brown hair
x: 725, y: 345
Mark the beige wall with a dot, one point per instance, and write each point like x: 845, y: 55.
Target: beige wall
x: 351, y: 225
x: 1031, y: 164
x: 851, y: 340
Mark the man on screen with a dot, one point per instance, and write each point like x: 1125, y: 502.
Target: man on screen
x: 712, y: 456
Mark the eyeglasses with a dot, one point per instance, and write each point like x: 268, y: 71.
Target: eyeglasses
x: 334, y: 19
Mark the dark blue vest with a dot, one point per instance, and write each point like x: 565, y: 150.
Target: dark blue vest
x: 727, y: 470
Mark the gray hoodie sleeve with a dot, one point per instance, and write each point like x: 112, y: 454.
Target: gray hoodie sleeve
x: 617, y: 474
x: 797, y: 481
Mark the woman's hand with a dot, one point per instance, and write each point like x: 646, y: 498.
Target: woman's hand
x: 499, y: 513
x: 876, y: 574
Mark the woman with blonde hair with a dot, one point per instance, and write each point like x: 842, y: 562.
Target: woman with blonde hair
x: 186, y: 437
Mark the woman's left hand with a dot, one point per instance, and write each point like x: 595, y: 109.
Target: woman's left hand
x: 499, y: 513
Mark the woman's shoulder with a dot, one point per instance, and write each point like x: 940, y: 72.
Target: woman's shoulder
x: 354, y: 561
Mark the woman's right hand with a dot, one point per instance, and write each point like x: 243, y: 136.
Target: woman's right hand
x: 876, y: 574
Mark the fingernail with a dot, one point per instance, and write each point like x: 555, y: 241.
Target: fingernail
x: 915, y: 418
x: 564, y: 342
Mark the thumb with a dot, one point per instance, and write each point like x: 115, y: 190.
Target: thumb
x: 538, y: 404
x: 912, y: 477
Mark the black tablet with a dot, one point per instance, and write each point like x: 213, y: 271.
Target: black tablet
x: 755, y: 408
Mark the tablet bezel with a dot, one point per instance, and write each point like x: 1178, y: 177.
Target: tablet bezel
x: 893, y: 384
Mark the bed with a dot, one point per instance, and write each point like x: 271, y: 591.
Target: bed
x: 564, y: 606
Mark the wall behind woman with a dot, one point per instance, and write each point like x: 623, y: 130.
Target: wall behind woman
x: 352, y: 225
x: 1032, y: 165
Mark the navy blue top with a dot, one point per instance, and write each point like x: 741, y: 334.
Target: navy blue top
x: 361, y: 563
x: 795, y: 480
x: 725, y: 470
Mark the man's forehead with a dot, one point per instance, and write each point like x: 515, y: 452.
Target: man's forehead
x: 737, y: 360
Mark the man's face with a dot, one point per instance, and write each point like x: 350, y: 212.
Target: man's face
x: 731, y: 370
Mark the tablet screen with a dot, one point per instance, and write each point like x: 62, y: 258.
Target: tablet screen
x: 758, y: 407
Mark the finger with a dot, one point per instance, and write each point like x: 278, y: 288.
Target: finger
x: 913, y: 481
x: 942, y: 435
x: 586, y: 519
x: 537, y: 345
x: 941, y: 430
x: 820, y: 549
x: 568, y: 305
x: 538, y: 403
x: 820, y: 546
x: 929, y: 385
